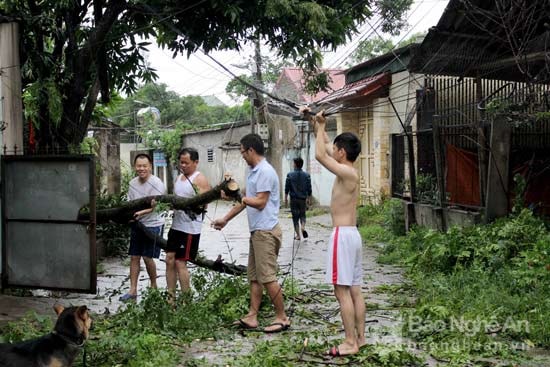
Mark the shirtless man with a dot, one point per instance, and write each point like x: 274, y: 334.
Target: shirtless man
x: 344, y: 270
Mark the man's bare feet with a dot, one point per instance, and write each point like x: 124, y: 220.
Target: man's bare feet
x: 343, y: 349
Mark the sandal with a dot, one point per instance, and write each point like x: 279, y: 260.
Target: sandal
x: 128, y: 297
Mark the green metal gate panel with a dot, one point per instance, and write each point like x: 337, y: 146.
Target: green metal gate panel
x: 44, y: 245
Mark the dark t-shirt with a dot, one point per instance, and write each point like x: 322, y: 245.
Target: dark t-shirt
x: 298, y: 184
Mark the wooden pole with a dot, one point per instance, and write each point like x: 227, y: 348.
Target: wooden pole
x: 439, y: 169
x: 499, y: 165
x: 481, y: 143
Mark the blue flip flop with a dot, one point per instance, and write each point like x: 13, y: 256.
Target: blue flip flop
x: 128, y: 297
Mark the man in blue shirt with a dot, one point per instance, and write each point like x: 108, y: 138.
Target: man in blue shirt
x: 298, y: 185
x: 261, y: 200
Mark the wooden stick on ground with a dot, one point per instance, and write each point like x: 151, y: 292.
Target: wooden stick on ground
x: 217, y: 265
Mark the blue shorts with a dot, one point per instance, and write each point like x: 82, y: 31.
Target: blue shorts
x: 141, y: 245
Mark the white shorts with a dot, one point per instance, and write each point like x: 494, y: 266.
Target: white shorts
x: 344, y: 257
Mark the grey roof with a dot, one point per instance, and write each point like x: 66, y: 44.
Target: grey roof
x: 471, y: 39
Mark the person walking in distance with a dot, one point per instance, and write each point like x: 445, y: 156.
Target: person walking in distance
x: 261, y: 200
x: 141, y: 246
x: 185, y: 233
x: 298, y: 186
x: 344, y: 258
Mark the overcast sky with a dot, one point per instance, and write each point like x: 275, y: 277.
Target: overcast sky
x: 199, y: 75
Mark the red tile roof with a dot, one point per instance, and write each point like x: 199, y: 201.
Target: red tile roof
x: 295, y: 77
x: 359, y: 88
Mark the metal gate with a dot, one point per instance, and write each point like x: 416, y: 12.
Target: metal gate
x: 44, y: 245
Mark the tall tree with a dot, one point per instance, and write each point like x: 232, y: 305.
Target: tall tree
x: 271, y: 70
x: 373, y: 47
x: 78, y: 52
x: 190, y: 111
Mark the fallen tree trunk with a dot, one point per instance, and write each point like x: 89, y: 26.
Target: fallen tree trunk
x: 195, y: 205
x: 217, y: 265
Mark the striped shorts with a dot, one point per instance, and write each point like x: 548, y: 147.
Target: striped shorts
x: 344, y: 257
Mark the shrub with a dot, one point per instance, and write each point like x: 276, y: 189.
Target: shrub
x: 394, y: 216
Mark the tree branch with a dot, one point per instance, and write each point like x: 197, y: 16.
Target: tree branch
x: 124, y: 213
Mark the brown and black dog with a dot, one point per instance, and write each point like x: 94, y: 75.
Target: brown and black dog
x: 57, y: 349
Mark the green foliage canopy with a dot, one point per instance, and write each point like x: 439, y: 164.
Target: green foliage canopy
x: 270, y: 72
x: 373, y: 47
x: 89, y: 49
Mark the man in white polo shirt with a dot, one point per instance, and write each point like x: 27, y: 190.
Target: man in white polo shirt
x: 262, y: 202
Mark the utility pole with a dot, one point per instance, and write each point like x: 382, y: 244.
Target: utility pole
x: 10, y: 77
x: 256, y: 98
x: 11, y: 108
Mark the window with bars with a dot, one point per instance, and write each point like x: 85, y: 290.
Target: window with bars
x: 210, y: 155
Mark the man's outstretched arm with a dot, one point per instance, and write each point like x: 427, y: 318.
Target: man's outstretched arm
x: 327, y: 160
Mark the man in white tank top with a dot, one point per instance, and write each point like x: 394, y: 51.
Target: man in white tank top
x: 184, y: 235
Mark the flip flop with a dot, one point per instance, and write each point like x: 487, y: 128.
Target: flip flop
x: 127, y: 297
x: 244, y: 325
x: 282, y: 327
x: 304, y: 233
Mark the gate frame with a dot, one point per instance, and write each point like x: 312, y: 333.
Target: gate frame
x: 91, y: 223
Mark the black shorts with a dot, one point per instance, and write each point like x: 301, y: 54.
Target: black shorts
x: 298, y: 209
x: 185, y: 245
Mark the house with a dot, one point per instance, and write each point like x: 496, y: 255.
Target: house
x: 212, y: 101
x: 373, y: 91
x: 218, y: 148
x: 444, y: 124
x: 489, y: 92
x: 290, y: 138
x: 290, y: 85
